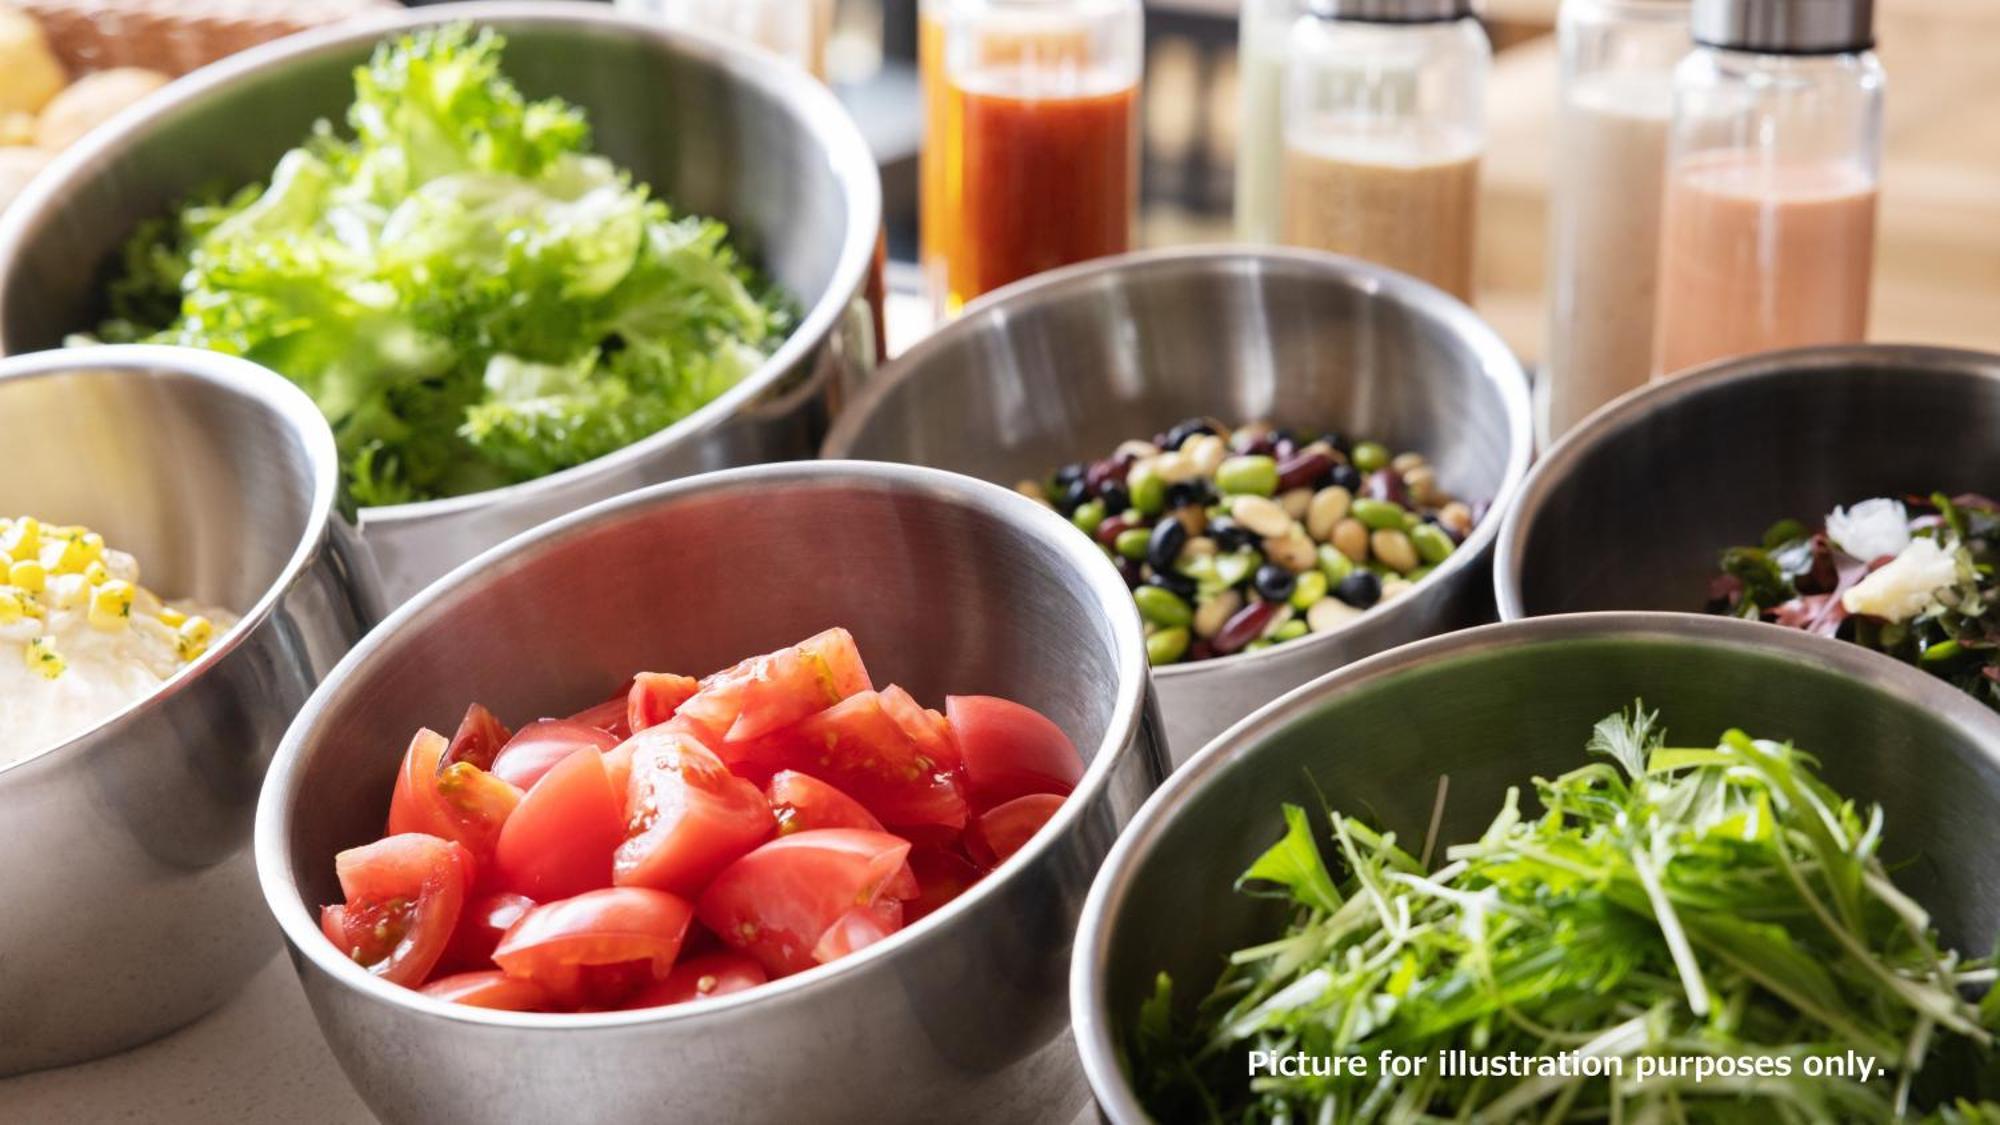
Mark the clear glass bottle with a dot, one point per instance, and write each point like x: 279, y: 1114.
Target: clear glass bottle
x: 1041, y: 139
x: 1605, y: 186
x: 1260, y: 137
x: 1385, y: 125
x: 933, y: 197
x: 1773, y: 162
x: 794, y: 29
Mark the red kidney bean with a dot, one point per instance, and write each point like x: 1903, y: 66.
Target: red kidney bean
x: 1100, y: 474
x: 1200, y: 650
x: 1107, y: 532
x: 1246, y: 626
x: 1303, y: 470
x: 1386, y: 484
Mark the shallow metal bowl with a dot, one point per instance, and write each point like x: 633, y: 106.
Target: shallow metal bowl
x: 1633, y: 509
x: 1494, y: 707
x: 131, y: 902
x: 1066, y: 366
x: 949, y: 585
x: 714, y: 128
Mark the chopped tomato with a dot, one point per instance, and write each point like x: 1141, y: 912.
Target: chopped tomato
x: 942, y: 875
x: 479, y: 739
x: 698, y: 978
x: 687, y: 816
x: 856, y: 747
x: 765, y: 693
x: 925, y: 727
x: 1010, y: 751
x: 777, y: 902
x: 801, y: 803
x: 608, y: 716
x: 404, y: 895
x: 654, y: 698
x: 1001, y: 831
x: 618, y: 768
x: 559, y: 841
x: 480, y: 925
x: 859, y: 928
x: 592, y: 947
x: 490, y: 988
x: 456, y: 802
x: 537, y: 747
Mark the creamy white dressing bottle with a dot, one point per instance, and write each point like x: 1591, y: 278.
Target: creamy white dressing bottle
x: 1260, y: 130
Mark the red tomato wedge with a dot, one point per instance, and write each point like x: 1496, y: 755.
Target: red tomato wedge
x: 617, y: 926
x: 1009, y: 750
x: 765, y: 693
x: 618, y: 768
x: 491, y: 988
x: 941, y: 876
x: 926, y: 728
x: 608, y: 716
x: 479, y: 739
x: 687, y: 816
x: 858, y: 929
x: 777, y: 902
x: 456, y: 802
x: 404, y: 895
x: 537, y: 747
x: 858, y: 748
x: 560, y: 840
x: 480, y: 925
x: 802, y: 803
x: 698, y: 978
x: 654, y: 698
x: 1001, y: 831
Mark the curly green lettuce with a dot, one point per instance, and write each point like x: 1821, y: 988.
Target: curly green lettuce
x: 472, y: 296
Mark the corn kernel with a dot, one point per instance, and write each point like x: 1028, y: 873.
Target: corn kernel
x: 28, y: 574
x: 96, y: 574
x: 22, y: 539
x: 111, y: 606
x: 171, y: 617
x: 195, y: 633
x: 72, y: 553
x: 12, y: 608
x: 42, y: 656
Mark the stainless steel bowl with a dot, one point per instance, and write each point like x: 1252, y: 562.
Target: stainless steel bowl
x: 131, y: 897
x: 1069, y: 364
x: 1492, y: 707
x: 1633, y: 509
x: 714, y: 128
x: 949, y: 585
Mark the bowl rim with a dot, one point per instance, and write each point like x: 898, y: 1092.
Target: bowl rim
x: 1634, y: 409
x: 1090, y: 953
x: 1122, y: 738
x: 274, y: 395
x: 1499, y: 366
x: 843, y: 148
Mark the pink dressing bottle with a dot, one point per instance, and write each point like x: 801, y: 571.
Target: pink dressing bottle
x: 1768, y: 233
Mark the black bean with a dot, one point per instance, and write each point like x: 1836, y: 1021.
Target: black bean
x: 1072, y: 471
x: 1169, y: 536
x: 1230, y: 535
x: 1132, y: 571
x: 1102, y: 473
x: 1183, y: 493
x: 1345, y: 476
x: 1180, y: 584
x: 1275, y: 583
x: 1360, y: 589
x: 1337, y: 440
x: 1074, y: 493
x: 1186, y: 429
x: 1115, y: 496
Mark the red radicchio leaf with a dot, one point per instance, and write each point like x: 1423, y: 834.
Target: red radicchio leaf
x: 1823, y: 613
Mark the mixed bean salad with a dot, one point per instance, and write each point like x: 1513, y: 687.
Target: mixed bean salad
x: 1237, y: 540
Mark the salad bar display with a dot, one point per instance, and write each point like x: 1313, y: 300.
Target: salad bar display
x: 457, y: 379
x: 773, y: 816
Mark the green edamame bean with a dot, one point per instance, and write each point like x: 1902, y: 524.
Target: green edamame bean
x: 1148, y: 491
x: 1162, y: 606
x: 1259, y: 645
x: 1379, y: 515
x: 1433, y: 545
x: 1370, y: 456
x: 1167, y: 645
x: 1247, y: 476
x: 1088, y: 515
x: 1289, y: 631
x: 1132, y: 542
x: 1311, y: 588
x: 1333, y: 564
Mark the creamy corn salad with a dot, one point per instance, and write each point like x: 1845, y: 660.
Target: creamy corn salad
x: 80, y: 638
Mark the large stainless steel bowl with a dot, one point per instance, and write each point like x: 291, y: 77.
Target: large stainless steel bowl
x: 1493, y: 707
x: 1067, y: 365
x: 1633, y: 509
x: 714, y: 128
x: 949, y: 585
x: 131, y: 900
